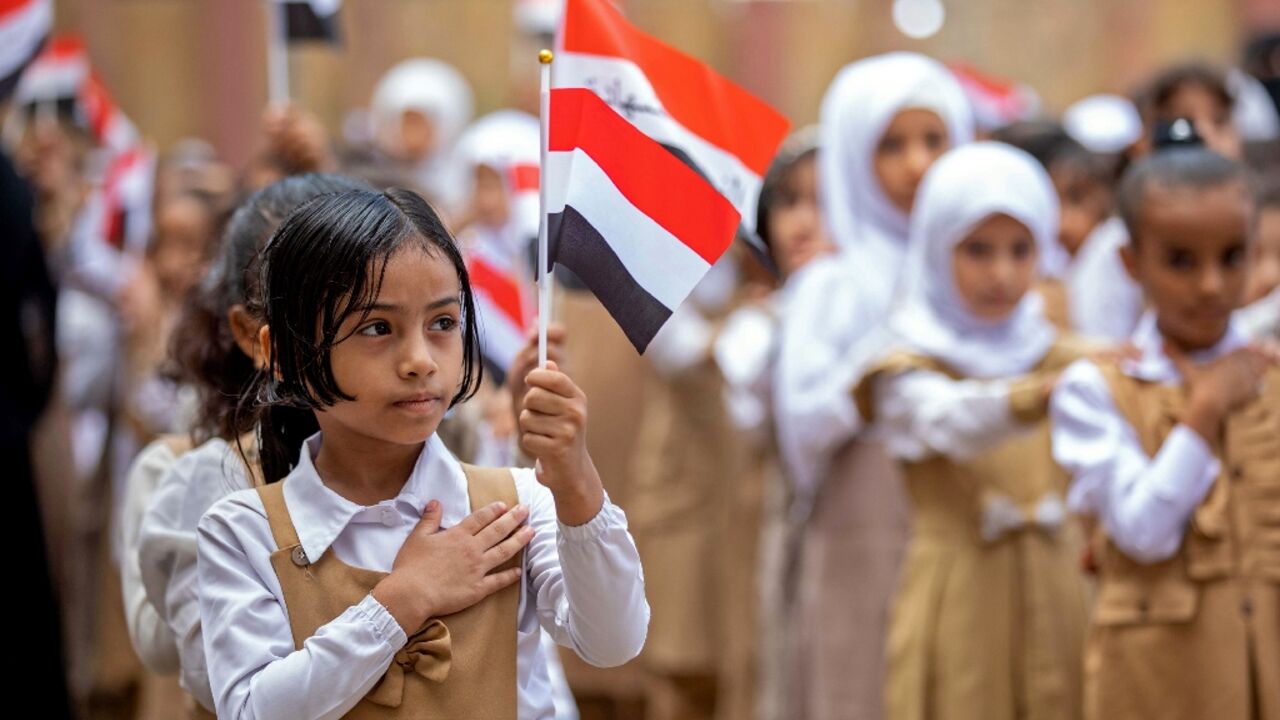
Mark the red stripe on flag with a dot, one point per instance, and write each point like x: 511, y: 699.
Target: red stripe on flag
x: 524, y: 178
x: 651, y: 178
x: 501, y: 288
x: 13, y: 6
x: 702, y: 101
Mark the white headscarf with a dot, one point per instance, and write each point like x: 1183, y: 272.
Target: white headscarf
x: 859, y: 105
x: 504, y: 141
x: 435, y: 89
x: 962, y: 189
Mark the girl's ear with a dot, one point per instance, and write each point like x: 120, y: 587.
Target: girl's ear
x: 244, y: 330
x: 1129, y: 257
x: 262, y: 358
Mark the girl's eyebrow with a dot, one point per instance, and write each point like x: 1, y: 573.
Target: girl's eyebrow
x: 391, y: 307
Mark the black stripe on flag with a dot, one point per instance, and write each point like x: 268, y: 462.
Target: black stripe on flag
x: 575, y: 244
x: 302, y: 22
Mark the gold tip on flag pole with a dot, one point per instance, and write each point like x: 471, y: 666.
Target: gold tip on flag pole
x: 544, y: 275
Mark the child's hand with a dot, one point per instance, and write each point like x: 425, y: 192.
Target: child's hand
x: 553, y: 429
x: 1221, y: 386
x: 439, y: 573
x: 527, y: 360
x: 297, y: 138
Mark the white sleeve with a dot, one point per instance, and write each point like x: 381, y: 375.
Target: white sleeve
x: 819, y: 360
x: 586, y: 580
x: 922, y: 413
x: 1144, y: 503
x: 254, y: 670
x: 151, y: 637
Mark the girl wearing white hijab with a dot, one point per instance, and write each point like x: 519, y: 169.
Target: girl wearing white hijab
x: 990, y: 614
x: 419, y: 108
x: 884, y: 119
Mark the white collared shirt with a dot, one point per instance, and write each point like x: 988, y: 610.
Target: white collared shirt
x: 923, y: 413
x: 150, y: 633
x: 1143, y: 502
x: 582, y: 584
x: 167, y: 550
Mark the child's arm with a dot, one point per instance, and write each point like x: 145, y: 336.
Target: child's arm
x: 922, y: 413
x: 254, y: 670
x: 1143, y: 502
x: 584, y: 568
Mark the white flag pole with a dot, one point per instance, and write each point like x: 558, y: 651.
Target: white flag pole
x: 544, y: 276
x: 277, y: 54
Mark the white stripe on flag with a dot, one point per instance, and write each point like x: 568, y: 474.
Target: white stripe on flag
x: 658, y: 261
x: 21, y: 34
x: 624, y: 86
x: 500, y: 339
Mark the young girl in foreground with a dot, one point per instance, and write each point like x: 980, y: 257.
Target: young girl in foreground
x: 990, y: 613
x: 380, y: 577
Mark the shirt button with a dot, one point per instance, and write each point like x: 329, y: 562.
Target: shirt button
x: 1237, y: 473
x: 1246, y: 607
x: 389, y: 517
x: 1143, y: 607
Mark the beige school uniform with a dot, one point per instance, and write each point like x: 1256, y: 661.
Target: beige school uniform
x: 986, y: 625
x: 457, y: 666
x: 1197, y: 635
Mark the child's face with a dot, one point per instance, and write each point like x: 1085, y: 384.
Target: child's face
x: 402, y: 363
x: 1083, y: 200
x: 796, y: 234
x: 417, y: 135
x: 184, y: 230
x: 994, y: 266
x: 489, y: 199
x: 1211, y: 118
x: 1264, y: 265
x: 910, y: 145
x: 1189, y: 259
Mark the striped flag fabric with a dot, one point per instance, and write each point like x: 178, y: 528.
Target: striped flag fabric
x: 501, y: 288
x: 996, y: 102
x: 311, y: 20
x: 634, y: 222
x: 24, y: 27
x: 729, y: 135
x: 654, y: 163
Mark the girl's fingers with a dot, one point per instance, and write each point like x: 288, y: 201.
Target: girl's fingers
x: 496, y: 581
x: 495, y: 531
x: 507, y: 549
x: 480, y: 519
x: 552, y: 380
x: 547, y: 403
x: 538, y: 445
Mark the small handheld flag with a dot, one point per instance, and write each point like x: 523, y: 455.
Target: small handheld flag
x: 24, y: 27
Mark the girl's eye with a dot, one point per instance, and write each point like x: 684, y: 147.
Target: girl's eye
x: 444, y: 324
x: 935, y: 141
x: 1234, y: 257
x: 976, y: 249
x: 1023, y: 249
x: 1180, y: 259
x: 891, y: 144
x: 376, y: 329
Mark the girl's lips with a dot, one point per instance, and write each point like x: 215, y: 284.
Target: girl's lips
x: 418, y: 403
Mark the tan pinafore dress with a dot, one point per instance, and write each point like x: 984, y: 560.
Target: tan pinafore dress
x: 456, y: 667
x: 1197, y: 635
x: 988, y: 622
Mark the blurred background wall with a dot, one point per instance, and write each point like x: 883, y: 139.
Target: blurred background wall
x: 197, y: 67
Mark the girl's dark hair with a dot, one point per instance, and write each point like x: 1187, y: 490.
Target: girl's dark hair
x: 324, y: 264
x: 203, y: 352
x: 1153, y: 98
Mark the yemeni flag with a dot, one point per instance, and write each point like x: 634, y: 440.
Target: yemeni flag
x: 24, y: 27
x: 311, y: 20
x: 501, y: 288
x: 725, y: 133
x: 996, y: 102
x: 654, y: 162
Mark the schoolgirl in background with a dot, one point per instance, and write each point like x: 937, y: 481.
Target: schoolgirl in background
x: 988, y: 621
x: 884, y: 121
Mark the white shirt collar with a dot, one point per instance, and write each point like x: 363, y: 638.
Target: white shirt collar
x: 320, y: 515
x: 1154, y: 365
